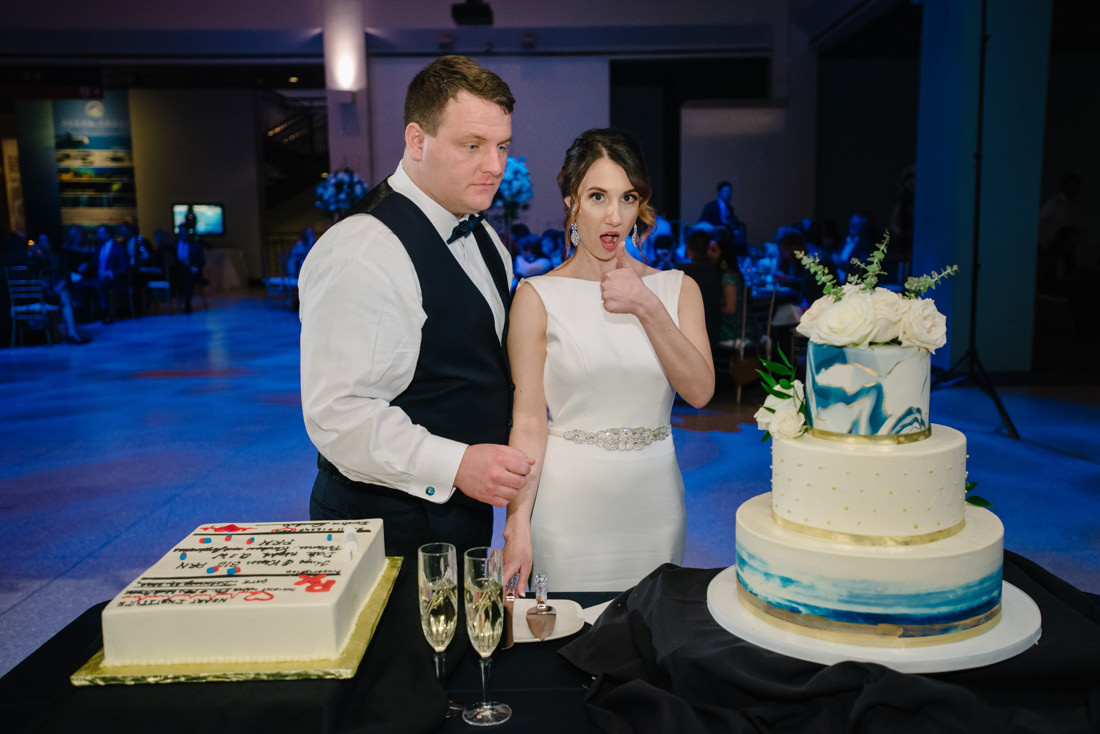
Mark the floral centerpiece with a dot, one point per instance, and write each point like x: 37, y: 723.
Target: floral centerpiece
x: 856, y: 314
x: 514, y: 192
x: 339, y: 191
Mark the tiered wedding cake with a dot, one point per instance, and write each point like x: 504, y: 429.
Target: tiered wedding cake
x: 866, y: 537
x: 248, y: 592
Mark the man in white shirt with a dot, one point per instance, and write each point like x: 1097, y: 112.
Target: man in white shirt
x: 405, y: 385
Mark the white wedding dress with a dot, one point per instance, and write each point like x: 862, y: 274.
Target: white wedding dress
x: 603, y: 519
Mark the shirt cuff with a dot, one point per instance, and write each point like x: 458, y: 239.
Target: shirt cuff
x: 436, y: 469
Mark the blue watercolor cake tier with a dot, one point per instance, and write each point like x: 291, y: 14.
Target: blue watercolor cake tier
x: 901, y: 596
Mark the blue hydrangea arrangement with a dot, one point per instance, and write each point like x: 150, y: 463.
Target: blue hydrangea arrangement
x: 338, y: 191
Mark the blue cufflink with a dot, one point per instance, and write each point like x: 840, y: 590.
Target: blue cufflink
x: 430, y: 491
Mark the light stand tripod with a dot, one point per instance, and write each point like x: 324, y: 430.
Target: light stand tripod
x: 974, y: 370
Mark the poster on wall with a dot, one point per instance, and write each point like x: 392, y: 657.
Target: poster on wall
x: 13, y: 183
x: 95, y: 167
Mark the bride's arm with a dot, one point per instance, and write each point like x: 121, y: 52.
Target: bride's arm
x: 684, y: 351
x: 527, y: 354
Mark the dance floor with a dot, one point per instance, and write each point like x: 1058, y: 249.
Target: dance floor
x: 113, y: 451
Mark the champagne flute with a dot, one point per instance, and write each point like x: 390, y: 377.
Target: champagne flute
x: 437, y: 579
x: 484, y: 624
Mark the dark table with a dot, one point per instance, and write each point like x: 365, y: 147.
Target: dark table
x: 394, y: 690
x: 656, y: 661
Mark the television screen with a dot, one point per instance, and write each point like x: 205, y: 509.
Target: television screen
x: 208, y: 218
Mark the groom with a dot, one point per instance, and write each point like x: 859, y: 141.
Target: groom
x: 406, y: 391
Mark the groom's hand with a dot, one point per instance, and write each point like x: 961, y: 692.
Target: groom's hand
x: 492, y: 473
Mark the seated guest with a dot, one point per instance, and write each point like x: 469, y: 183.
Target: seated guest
x: 703, y: 269
x: 298, y: 253
x: 738, y: 327
x: 189, y: 262
x: 107, y: 271
x: 644, y: 249
x: 55, y: 281
x: 858, y: 245
x: 664, y: 253
x: 531, y: 260
x: 138, y: 253
x: 76, y: 249
x: 553, y: 246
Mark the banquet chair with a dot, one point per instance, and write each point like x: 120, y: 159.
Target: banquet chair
x: 281, y: 289
x: 27, y: 296
x: 156, y: 291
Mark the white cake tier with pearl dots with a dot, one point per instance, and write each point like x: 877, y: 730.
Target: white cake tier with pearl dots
x: 870, y: 493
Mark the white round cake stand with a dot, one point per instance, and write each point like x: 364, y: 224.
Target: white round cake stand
x: 1018, y: 629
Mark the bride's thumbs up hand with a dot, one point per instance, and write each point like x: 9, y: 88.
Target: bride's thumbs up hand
x: 622, y: 289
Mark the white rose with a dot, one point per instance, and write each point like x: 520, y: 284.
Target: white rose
x: 848, y: 322
x: 889, y: 309
x: 765, y: 418
x: 788, y: 424
x: 807, y: 325
x: 767, y: 411
x: 923, y: 325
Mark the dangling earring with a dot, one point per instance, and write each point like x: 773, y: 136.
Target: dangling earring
x: 574, y: 236
x: 634, y: 235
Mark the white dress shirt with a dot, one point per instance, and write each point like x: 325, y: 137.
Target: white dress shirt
x: 361, y: 313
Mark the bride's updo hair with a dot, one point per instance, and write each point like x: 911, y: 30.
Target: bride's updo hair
x: 620, y: 148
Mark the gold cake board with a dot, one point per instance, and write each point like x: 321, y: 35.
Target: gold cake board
x: 1019, y: 628
x: 93, y: 672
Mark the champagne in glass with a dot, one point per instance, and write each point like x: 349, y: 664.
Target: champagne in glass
x: 484, y: 623
x: 437, y: 579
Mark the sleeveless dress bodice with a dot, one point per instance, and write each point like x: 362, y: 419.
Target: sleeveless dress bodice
x: 603, y: 519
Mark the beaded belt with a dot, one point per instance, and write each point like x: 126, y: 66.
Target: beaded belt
x: 617, y: 439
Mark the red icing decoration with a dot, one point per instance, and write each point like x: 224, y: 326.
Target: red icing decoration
x: 230, y: 528
x: 260, y: 595
x: 315, y: 583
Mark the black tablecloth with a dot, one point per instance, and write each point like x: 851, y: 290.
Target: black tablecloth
x: 663, y: 664
x: 394, y: 690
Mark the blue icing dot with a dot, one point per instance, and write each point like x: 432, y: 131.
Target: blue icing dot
x: 206, y: 540
x: 330, y: 536
x: 182, y: 556
x: 231, y: 571
x: 210, y: 570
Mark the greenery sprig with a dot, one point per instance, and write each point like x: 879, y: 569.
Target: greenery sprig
x: 872, y: 269
x: 974, y: 499
x: 821, y: 274
x: 916, y: 286
x: 780, y: 384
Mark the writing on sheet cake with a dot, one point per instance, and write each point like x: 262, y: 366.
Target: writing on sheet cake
x: 233, y: 564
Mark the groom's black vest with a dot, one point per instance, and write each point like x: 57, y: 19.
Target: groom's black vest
x: 461, y: 388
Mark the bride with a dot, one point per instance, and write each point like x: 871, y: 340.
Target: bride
x: 600, y: 346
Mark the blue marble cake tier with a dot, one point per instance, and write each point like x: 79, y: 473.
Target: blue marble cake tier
x: 877, y: 393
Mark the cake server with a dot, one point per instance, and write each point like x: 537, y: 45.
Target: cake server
x: 509, y: 602
x: 541, y: 617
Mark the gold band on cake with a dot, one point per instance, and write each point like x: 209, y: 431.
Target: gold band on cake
x: 889, y: 438
x: 837, y: 536
x: 856, y: 539
x: 882, y: 635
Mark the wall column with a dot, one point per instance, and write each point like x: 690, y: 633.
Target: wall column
x: 1017, y: 56
x: 346, y: 87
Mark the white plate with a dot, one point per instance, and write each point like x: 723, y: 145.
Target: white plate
x: 568, y: 620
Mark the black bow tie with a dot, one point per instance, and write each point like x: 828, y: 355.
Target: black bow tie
x: 465, y: 227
